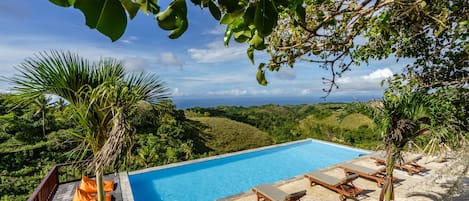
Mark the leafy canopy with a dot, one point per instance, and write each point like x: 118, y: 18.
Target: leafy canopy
x: 336, y: 34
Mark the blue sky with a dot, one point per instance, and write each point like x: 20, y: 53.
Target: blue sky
x: 195, y: 65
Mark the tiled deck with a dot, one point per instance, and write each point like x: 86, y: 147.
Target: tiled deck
x: 432, y: 185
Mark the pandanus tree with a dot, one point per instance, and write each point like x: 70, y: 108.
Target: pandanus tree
x: 403, y: 118
x: 101, y: 94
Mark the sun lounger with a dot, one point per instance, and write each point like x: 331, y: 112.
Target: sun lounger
x: 344, y: 186
x: 410, y: 164
x: 378, y: 175
x: 89, y: 185
x: 81, y: 195
x: 268, y: 192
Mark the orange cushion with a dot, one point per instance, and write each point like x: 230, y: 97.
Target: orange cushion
x: 81, y: 195
x: 89, y: 185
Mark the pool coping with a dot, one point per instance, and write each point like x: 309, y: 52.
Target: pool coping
x: 126, y: 188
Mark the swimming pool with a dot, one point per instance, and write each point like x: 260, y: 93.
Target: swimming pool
x: 213, y: 179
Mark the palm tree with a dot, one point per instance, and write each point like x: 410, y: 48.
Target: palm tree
x: 405, y: 118
x: 101, y: 94
x: 41, y: 105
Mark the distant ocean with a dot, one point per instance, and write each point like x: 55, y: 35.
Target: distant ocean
x: 246, y: 101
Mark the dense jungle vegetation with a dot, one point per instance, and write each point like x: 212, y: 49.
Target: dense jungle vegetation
x: 36, y: 136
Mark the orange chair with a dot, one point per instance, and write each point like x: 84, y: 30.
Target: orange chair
x: 81, y: 195
x: 89, y: 185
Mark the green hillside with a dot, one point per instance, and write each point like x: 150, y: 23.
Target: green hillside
x: 355, y: 121
x: 340, y: 126
x: 224, y: 135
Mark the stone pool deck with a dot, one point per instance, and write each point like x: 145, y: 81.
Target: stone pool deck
x: 434, y: 184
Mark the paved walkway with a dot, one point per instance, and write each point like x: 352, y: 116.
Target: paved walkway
x: 432, y: 185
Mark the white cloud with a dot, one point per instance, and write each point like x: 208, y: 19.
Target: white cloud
x: 178, y: 92
x: 370, y: 83
x: 129, y: 40
x: 285, y: 74
x: 218, y: 30
x: 217, y: 53
x: 168, y: 58
x: 232, y: 92
x: 379, y: 74
x: 134, y: 64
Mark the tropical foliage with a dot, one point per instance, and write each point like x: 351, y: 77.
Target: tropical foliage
x: 403, y: 118
x: 101, y: 95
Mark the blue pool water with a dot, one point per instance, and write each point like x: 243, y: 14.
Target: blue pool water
x: 218, y: 178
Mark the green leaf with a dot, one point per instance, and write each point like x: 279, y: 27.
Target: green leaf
x: 227, y: 36
x: 214, y: 10
x: 260, y: 76
x: 249, y: 15
x: 63, y: 3
x: 265, y: 17
x: 230, y: 5
x: 301, y: 14
x: 226, y: 19
x: 107, y: 16
x: 257, y: 42
x: 174, y: 18
x: 197, y: 2
x: 131, y: 7
x: 167, y: 19
x: 242, y: 36
x: 176, y: 33
x: 250, y: 53
x: 148, y: 6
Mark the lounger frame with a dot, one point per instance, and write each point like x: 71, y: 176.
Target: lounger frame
x: 379, y: 176
x: 345, y: 188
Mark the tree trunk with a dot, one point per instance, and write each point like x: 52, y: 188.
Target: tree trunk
x: 43, y: 124
x: 100, y: 183
x: 387, y: 190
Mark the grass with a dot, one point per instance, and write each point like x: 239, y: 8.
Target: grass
x: 224, y: 135
x: 356, y: 120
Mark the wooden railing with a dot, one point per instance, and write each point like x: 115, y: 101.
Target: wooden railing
x: 46, y: 190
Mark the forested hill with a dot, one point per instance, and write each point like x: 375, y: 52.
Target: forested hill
x: 37, y: 135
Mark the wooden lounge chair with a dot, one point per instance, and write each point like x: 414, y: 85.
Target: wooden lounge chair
x: 344, y: 186
x: 268, y: 192
x: 378, y: 175
x: 410, y: 164
x: 89, y: 185
x: 81, y: 195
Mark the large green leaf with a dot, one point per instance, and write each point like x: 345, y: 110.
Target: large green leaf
x: 180, y: 11
x: 167, y: 19
x: 230, y: 5
x: 214, y: 10
x: 131, y: 7
x: 265, y: 17
x: 107, y: 16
